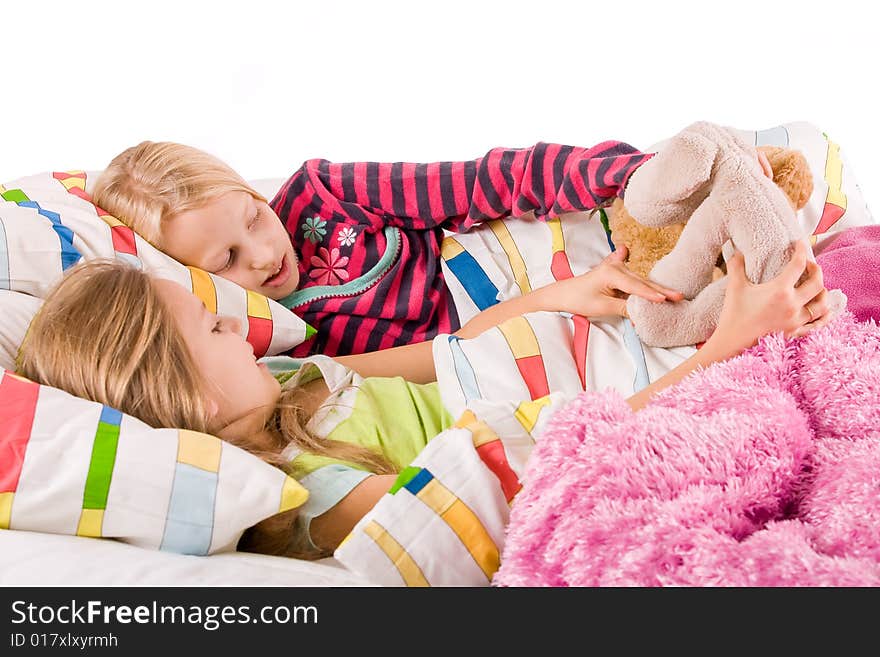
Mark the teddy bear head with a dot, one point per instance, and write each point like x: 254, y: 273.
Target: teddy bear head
x: 712, y: 182
x: 648, y: 244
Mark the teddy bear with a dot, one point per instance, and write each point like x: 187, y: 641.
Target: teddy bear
x: 709, y: 180
x: 647, y: 244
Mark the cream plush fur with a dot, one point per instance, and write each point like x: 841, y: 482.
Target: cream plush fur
x: 708, y: 179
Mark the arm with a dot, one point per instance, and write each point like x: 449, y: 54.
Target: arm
x: 601, y: 291
x: 751, y: 311
x: 549, y: 179
x: 328, y: 529
x: 274, y: 534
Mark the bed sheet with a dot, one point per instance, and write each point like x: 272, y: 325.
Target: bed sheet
x: 37, y: 559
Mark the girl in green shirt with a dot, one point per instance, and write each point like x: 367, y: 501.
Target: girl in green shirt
x: 112, y: 334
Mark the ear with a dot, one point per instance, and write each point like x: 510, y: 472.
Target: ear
x: 670, y: 186
x: 791, y: 172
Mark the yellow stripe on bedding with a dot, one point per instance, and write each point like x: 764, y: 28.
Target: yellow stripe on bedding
x: 450, y: 247
x: 517, y: 264
x: 293, y: 494
x: 199, y: 450
x: 203, y: 288
x: 258, y: 305
x: 111, y: 221
x: 555, y: 226
x: 480, y: 431
x: 5, y: 509
x: 834, y: 176
x: 527, y: 413
x: 90, y: 522
x: 520, y: 337
x: 407, y: 567
x: 464, y: 523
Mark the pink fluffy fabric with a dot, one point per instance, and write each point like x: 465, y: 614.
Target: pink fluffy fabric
x: 760, y: 471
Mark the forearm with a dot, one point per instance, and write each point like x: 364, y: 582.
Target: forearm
x: 534, y: 301
x: 415, y: 362
x: 328, y: 529
x: 547, y: 179
x: 710, y: 353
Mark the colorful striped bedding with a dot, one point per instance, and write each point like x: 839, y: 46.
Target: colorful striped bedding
x: 444, y: 522
x: 48, y: 224
x: 70, y: 466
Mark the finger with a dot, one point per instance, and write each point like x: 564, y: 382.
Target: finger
x: 811, y: 326
x: 801, y: 331
x: 795, y: 267
x: 816, y: 311
x: 618, y: 255
x: 736, y: 269
x: 824, y: 320
x: 813, y: 269
x: 630, y: 284
x: 668, y: 292
x: 610, y: 306
x: 809, y: 314
x: 811, y: 286
x: 818, y: 305
x: 765, y: 164
x: 618, y: 307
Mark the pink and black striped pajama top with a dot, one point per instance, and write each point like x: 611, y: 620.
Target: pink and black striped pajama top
x: 368, y: 234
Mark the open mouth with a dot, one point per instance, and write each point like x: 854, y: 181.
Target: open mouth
x: 280, y: 276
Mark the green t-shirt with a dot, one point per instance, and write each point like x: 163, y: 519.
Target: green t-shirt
x: 388, y: 414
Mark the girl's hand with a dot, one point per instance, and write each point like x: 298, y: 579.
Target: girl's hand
x: 603, y: 290
x: 784, y: 304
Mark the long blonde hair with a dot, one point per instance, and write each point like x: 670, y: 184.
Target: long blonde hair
x: 104, y: 334
x: 149, y: 183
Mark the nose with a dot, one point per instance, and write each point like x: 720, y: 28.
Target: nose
x: 263, y: 256
x: 231, y: 323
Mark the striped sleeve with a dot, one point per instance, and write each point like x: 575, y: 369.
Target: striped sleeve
x: 549, y: 179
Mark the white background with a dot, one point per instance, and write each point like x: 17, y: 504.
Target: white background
x: 265, y: 85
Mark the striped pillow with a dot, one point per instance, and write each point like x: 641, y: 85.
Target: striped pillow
x: 48, y: 223
x: 70, y: 466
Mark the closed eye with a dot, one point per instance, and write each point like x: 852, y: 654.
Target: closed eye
x: 255, y: 220
x: 230, y: 258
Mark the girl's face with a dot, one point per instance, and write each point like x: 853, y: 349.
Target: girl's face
x: 241, y: 392
x: 237, y: 237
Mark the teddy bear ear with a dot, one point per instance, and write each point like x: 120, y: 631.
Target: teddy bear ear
x: 791, y: 172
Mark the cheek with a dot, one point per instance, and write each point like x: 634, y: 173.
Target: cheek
x: 279, y: 232
x: 180, y: 252
x: 240, y: 276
